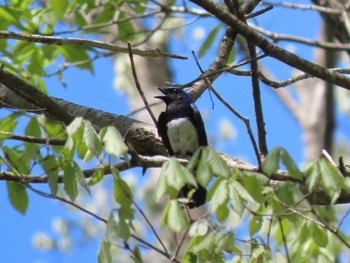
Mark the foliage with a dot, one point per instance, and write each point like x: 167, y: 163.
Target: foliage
x: 286, y: 213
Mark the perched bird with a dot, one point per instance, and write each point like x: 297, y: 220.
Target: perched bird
x: 182, y: 131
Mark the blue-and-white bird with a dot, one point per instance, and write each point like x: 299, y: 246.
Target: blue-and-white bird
x: 182, y: 131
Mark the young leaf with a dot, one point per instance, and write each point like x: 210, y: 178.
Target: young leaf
x: 216, y: 163
x: 292, y: 168
x: 176, y: 175
x: 271, y: 163
x: 219, y: 196
x: 74, y: 126
x: 331, y: 179
x: 18, y: 196
x: 122, y: 192
x: 207, y: 243
x: 91, y: 139
x: 255, y: 224
x: 96, y: 176
x: 209, y: 41
x: 199, y: 228
x: 50, y: 166
x: 114, y: 142
x: 69, y: 181
x: 104, y: 253
x: 176, y: 218
x: 252, y: 182
x: 319, y: 235
x: 161, y: 188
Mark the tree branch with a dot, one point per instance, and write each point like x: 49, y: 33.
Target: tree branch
x: 271, y: 49
x: 59, y: 41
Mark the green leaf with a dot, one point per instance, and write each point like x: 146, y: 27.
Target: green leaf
x: 290, y: 194
x: 80, y: 18
x: 218, y: 166
x: 292, y: 168
x: 209, y: 40
x: 255, y: 224
x: 111, y: 228
x: 9, y: 123
x: 319, y: 235
x: 75, y: 126
x: 161, y: 188
x: 69, y: 181
x: 271, y: 162
x: 331, y: 179
x: 237, y: 187
x: 176, y: 175
x: 222, y: 212
x: 123, y: 230
x: 59, y: 6
x: 219, y: 196
x: 18, y: 196
x: 199, y: 228
x: 68, y: 149
x: 206, y: 244
x: 114, y: 142
x: 96, y: 176
x: 91, y: 139
x: 50, y: 166
x: 137, y: 256
x: 36, y: 62
x: 253, y: 181
x: 8, y: 15
x: 175, y: 217
x: 104, y: 253
x: 77, y: 54
x: 203, y: 172
x: 236, y: 200
x: 122, y: 192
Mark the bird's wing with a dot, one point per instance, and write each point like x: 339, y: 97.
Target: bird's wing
x: 199, y: 124
x: 162, y: 132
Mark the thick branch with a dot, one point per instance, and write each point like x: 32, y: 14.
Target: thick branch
x: 271, y: 49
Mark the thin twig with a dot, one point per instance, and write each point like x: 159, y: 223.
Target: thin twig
x: 284, y: 239
x: 47, y: 195
x: 147, y: 221
x: 32, y: 139
x: 304, y: 7
x: 342, y: 220
x: 138, y: 86
x: 233, y: 110
x: 84, y: 42
x: 180, y: 244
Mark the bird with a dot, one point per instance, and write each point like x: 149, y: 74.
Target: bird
x: 182, y: 131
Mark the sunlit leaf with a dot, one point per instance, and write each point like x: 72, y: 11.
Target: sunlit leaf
x: 255, y: 224
x: 104, y: 253
x: 199, y: 228
x: 114, y: 142
x: 69, y: 181
x: 175, y: 217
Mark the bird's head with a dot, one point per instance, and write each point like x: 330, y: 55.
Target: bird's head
x: 173, y: 95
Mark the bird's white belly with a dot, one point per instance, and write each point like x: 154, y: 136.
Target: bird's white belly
x: 183, y: 136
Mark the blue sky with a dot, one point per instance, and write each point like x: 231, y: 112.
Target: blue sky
x: 97, y: 91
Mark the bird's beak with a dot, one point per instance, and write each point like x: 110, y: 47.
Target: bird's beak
x: 160, y: 97
x: 164, y: 91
